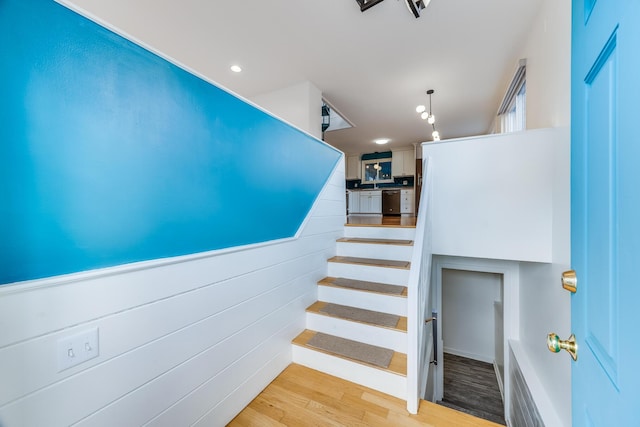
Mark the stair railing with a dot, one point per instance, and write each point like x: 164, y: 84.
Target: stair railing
x: 419, y: 333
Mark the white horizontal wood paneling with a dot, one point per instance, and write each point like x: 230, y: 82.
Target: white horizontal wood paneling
x: 209, y: 367
x: 189, y: 337
x: 228, y: 408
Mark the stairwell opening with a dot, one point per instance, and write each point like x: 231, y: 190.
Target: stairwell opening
x: 473, y: 342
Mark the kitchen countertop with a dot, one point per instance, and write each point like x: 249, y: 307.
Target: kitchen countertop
x: 380, y: 189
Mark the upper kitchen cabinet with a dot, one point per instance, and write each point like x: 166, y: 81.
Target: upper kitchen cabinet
x: 404, y: 163
x: 353, y: 167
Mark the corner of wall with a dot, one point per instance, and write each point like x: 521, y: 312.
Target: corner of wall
x: 298, y: 105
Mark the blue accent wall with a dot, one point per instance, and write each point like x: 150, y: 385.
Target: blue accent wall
x: 110, y: 155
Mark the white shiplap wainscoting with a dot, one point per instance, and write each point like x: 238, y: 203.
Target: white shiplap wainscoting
x: 181, y: 341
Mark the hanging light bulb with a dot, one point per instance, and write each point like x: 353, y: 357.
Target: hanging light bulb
x: 428, y: 116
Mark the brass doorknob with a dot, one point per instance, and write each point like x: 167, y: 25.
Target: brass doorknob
x: 570, y: 281
x: 555, y: 344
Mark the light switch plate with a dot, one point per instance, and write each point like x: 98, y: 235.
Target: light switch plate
x: 78, y: 348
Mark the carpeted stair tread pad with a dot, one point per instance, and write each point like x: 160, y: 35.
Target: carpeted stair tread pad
x: 371, y: 354
x: 361, y: 315
x: 368, y: 286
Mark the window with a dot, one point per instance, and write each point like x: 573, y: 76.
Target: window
x: 377, y: 170
x: 512, y: 114
x: 515, y: 119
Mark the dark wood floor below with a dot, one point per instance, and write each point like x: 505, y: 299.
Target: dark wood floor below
x: 471, y: 386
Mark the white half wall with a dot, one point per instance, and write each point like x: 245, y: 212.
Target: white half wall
x: 184, y: 341
x: 493, y: 195
x: 299, y: 105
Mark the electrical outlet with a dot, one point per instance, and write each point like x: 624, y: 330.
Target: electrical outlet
x: 78, y: 348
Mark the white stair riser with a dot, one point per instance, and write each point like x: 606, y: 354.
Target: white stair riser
x: 390, y: 276
x: 366, y: 250
x: 383, y: 381
x: 366, y: 300
x: 368, y: 334
x: 380, y: 233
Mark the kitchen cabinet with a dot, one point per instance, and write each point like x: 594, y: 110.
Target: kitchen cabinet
x: 403, y: 163
x: 365, y: 202
x: 406, y: 202
x: 354, y: 170
x: 371, y: 202
x: 354, y: 202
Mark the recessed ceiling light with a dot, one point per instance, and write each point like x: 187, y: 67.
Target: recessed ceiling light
x: 236, y: 68
x: 381, y: 141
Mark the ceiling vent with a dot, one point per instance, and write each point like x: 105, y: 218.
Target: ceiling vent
x: 415, y: 6
x: 366, y: 4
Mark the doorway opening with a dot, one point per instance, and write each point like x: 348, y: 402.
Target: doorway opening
x: 473, y: 342
x: 477, y: 301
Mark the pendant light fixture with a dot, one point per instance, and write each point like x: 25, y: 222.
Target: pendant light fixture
x: 428, y: 116
x: 415, y: 6
x: 326, y: 119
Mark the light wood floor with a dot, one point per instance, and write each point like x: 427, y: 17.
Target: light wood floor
x: 300, y: 396
x: 381, y: 220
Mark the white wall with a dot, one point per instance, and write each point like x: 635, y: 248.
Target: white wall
x: 506, y: 197
x: 468, y: 314
x: 548, y: 52
x: 299, y: 105
x: 544, y: 306
x: 182, y: 341
x: 492, y: 195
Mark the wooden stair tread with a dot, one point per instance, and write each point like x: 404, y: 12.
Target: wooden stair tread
x: 364, y: 286
x: 397, y: 366
x: 396, y: 242
x: 317, y: 306
x: 403, y: 265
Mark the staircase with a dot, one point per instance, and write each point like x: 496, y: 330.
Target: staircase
x: 357, y: 330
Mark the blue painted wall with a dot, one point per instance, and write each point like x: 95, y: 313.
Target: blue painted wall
x: 112, y: 155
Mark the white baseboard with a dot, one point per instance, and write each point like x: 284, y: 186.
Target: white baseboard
x: 468, y: 355
x: 499, y: 378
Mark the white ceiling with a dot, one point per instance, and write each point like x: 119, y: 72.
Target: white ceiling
x: 373, y: 66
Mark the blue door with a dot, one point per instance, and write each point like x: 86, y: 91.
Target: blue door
x: 605, y: 211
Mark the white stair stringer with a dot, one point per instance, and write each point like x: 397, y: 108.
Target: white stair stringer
x: 377, y: 379
x: 368, y: 300
x: 369, y: 334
